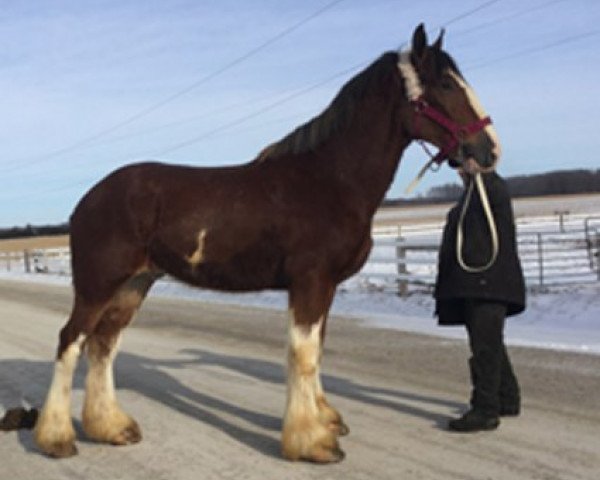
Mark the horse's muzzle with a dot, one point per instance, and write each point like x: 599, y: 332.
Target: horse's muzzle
x: 482, y: 151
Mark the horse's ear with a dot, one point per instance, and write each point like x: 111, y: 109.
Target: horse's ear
x: 419, y: 42
x: 440, y: 40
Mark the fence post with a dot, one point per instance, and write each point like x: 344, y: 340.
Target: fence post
x: 401, y: 265
x: 540, y: 258
x: 26, y: 260
x: 596, y: 254
x: 561, y: 219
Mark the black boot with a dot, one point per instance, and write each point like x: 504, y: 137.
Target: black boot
x: 510, y: 395
x: 510, y: 410
x: 474, y: 421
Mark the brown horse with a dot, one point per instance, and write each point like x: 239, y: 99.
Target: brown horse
x: 297, y: 218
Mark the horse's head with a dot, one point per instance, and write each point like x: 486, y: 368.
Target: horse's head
x: 447, y: 112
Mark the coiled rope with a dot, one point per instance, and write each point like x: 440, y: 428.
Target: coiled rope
x: 478, y: 182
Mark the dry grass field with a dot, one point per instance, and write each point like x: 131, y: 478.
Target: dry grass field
x: 19, y: 244
x: 584, y: 204
x: 587, y: 204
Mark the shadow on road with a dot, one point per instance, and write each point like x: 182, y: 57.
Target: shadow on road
x: 23, y: 379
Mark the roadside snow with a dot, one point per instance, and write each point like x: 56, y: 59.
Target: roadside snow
x: 563, y: 318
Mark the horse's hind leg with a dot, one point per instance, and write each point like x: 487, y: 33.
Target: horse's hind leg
x: 103, y: 418
x: 307, y: 427
x: 54, y: 432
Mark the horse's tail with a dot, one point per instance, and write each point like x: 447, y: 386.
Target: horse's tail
x: 18, y: 419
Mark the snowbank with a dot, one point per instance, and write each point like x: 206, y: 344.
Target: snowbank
x: 563, y: 318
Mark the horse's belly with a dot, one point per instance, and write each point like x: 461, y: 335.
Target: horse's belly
x: 237, y: 275
x: 257, y: 266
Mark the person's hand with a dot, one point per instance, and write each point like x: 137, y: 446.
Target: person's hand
x: 471, y: 167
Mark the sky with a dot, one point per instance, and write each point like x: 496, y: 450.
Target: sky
x: 86, y: 87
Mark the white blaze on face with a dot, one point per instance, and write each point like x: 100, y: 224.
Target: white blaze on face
x: 479, y: 111
x: 412, y: 84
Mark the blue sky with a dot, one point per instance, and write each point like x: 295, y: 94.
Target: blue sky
x: 72, y: 71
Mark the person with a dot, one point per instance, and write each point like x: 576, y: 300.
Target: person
x: 481, y: 298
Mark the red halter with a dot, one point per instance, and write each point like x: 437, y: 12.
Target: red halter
x: 456, y: 133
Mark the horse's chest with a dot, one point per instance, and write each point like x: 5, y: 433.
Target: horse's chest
x: 355, y: 257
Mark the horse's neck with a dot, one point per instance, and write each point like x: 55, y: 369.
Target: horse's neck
x: 368, y: 154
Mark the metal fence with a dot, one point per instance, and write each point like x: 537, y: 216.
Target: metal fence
x: 553, y: 256
x: 407, y: 259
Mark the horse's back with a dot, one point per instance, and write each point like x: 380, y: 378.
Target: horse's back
x: 205, y: 226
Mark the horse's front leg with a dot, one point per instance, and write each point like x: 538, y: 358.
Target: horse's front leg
x: 307, y: 426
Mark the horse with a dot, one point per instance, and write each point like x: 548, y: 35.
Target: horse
x: 298, y: 217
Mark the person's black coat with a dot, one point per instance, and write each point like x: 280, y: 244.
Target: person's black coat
x: 503, y: 282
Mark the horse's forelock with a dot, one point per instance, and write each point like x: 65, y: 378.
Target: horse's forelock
x: 443, y: 61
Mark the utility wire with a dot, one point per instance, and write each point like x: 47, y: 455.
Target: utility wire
x: 532, y: 50
x: 468, y: 13
x: 92, y: 139
x: 258, y: 112
x: 511, y: 16
x: 161, y: 103
x: 273, y: 105
x: 245, y: 103
x: 240, y: 120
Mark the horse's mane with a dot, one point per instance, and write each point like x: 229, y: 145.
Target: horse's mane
x: 336, y: 117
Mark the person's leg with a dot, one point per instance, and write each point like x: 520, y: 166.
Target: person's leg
x: 485, y: 323
x: 510, y: 396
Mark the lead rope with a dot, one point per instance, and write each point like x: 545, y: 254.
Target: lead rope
x: 478, y: 181
x: 433, y: 164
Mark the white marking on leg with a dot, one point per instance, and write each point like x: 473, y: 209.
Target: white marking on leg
x: 99, y: 382
x: 479, y: 111
x: 197, y: 257
x: 303, y: 433
x: 304, y: 353
x: 54, y: 424
x: 103, y: 419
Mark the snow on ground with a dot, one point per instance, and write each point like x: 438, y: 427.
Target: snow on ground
x: 561, y: 318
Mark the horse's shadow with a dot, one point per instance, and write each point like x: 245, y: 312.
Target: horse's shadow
x: 148, y: 377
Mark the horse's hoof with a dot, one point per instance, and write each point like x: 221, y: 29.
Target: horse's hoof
x: 339, y: 455
x: 325, y: 455
x: 61, y: 450
x: 129, y: 435
x: 340, y: 429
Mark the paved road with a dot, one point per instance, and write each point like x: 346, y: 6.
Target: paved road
x: 206, y: 384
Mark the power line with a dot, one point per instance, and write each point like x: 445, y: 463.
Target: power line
x: 299, y: 93
x: 277, y: 103
x: 511, y: 16
x: 468, y: 13
x: 161, y: 103
x: 258, y: 112
x: 243, y: 119
x: 250, y: 53
x: 532, y: 50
